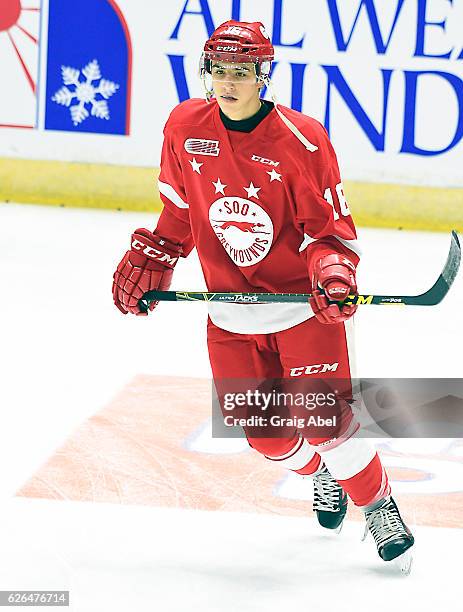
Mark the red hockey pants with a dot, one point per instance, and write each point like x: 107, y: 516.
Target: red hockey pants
x: 304, y: 353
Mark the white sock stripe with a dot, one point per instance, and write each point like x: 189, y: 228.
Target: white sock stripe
x: 299, y: 459
x: 290, y: 453
x: 347, y: 459
x: 350, y: 431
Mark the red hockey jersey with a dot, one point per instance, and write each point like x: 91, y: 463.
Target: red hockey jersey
x: 259, y: 207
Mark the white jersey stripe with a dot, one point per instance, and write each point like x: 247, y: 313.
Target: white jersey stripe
x: 305, y: 243
x: 258, y: 318
x: 352, y: 245
x: 169, y: 192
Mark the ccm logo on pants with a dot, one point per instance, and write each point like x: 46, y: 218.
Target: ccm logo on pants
x: 318, y: 368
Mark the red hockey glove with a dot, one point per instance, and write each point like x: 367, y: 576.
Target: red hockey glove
x: 335, y: 274
x: 148, y: 265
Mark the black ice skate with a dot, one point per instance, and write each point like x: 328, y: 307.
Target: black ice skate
x: 330, y: 501
x: 393, y: 538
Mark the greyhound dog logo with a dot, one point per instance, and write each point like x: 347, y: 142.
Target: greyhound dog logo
x: 244, y: 226
x: 244, y: 229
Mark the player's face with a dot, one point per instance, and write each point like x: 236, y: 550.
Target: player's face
x: 236, y: 89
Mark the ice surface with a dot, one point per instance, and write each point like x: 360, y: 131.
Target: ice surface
x: 66, y: 351
x: 120, y: 558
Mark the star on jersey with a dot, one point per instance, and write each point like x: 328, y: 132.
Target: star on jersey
x: 252, y: 191
x: 219, y: 186
x: 274, y: 176
x: 195, y: 165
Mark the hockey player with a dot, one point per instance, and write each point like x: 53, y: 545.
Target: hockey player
x: 256, y: 188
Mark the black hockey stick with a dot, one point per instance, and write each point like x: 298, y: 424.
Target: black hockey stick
x: 433, y: 296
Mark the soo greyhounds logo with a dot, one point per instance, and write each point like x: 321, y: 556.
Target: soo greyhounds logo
x: 243, y: 228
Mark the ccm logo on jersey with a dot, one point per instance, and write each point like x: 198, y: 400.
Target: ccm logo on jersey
x: 201, y: 146
x: 264, y: 160
x: 153, y: 253
x: 319, y: 368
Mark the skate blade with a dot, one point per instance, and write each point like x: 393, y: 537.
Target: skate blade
x: 404, y: 562
x: 338, y: 530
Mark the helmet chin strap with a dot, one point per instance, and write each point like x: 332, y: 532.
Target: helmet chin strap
x: 203, y: 76
x: 289, y: 124
x: 209, y: 92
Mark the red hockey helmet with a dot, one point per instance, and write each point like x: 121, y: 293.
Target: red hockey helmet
x: 240, y: 42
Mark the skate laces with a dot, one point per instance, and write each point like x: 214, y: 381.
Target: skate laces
x: 327, y: 492
x: 384, y: 523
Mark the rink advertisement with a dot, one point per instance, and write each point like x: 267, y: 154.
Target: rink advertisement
x: 88, y: 87
x: 386, y: 79
x: 54, y: 57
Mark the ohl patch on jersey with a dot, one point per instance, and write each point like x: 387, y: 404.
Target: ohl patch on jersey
x: 67, y: 68
x: 244, y: 229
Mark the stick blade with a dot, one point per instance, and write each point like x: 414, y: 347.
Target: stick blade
x: 441, y: 287
x: 452, y: 265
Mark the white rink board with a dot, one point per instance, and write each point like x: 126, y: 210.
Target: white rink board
x: 397, y: 52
